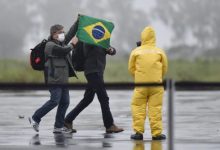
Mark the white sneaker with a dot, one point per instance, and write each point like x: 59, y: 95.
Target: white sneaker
x: 34, y: 124
x: 62, y: 130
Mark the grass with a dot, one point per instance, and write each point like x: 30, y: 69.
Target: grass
x: 197, y: 70
x: 116, y: 71
x: 18, y: 71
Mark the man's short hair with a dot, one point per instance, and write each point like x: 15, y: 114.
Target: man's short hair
x: 55, y: 28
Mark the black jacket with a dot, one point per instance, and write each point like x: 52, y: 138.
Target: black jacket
x: 95, y: 59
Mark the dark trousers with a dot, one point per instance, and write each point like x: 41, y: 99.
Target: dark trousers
x: 59, y: 96
x: 95, y: 85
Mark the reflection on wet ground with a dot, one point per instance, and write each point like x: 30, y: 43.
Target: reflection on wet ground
x: 197, y: 123
x: 64, y: 140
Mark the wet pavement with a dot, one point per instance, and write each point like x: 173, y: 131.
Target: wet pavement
x: 197, y: 123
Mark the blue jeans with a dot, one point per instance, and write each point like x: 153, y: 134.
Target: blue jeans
x: 59, y: 96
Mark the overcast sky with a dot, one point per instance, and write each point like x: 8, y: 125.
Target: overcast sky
x: 163, y: 32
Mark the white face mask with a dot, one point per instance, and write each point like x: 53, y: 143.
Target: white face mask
x: 61, y: 37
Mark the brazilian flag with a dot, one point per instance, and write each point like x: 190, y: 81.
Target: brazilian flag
x: 94, y: 31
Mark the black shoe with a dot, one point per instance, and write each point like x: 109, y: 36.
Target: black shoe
x: 137, y: 136
x: 159, y: 137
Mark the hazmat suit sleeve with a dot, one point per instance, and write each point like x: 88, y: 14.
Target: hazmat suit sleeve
x: 131, y: 63
x: 165, y: 64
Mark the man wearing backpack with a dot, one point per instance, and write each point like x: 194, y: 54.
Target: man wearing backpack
x: 58, y: 68
x: 94, y: 66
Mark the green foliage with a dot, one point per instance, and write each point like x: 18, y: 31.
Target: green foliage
x: 18, y: 71
x: 116, y: 71
x: 196, y: 70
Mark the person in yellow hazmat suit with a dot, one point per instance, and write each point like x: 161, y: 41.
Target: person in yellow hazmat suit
x: 147, y: 64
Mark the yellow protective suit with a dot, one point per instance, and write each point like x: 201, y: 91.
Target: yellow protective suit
x: 155, y: 145
x: 147, y: 63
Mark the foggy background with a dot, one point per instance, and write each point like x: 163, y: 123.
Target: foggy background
x: 184, y: 28
x: 188, y: 31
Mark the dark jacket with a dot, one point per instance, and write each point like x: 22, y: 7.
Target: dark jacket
x: 95, y: 59
x: 58, y: 66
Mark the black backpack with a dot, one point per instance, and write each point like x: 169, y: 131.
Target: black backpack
x: 78, y: 57
x: 37, y: 56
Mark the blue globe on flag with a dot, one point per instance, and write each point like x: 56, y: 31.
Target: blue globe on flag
x: 94, y: 31
x: 98, y: 32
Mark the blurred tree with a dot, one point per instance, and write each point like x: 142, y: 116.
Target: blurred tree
x: 25, y: 22
x: 14, y: 24
x: 198, y: 18
x: 60, y: 12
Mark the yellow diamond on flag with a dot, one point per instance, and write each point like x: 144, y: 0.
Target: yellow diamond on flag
x: 98, y: 32
x: 94, y: 31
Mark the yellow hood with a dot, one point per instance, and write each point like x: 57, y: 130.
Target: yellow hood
x: 148, y: 36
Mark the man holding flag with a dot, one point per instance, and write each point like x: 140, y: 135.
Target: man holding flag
x: 95, y: 35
